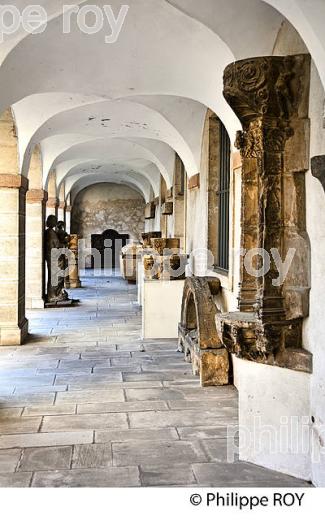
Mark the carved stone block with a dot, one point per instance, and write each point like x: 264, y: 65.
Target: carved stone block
x: 150, y: 211
x: 167, y: 208
x: 198, y: 337
x: 318, y: 168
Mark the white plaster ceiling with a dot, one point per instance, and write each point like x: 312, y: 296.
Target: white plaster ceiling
x: 163, y: 72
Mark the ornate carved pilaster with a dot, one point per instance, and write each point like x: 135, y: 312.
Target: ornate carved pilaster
x: 270, y: 97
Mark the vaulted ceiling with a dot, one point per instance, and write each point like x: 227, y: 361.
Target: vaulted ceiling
x: 119, y: 111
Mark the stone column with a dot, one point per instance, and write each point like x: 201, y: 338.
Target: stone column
x: 35, y: 225
x: 74, y: 280
x: 13, y: 323
x: 52, y: 206
x: 61, y: 211
x: 270, y: 97
x: 68, y: 219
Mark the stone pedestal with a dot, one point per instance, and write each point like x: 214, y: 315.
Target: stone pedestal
x: 274, y: 418
x: 68, y: 219
x: 13, y: 323
x: 35, y: 277
x: 161, y: 308
x: 74, y: 280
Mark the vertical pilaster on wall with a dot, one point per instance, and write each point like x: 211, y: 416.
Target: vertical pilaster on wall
x: 163, y: 218
x: 35, y: 225
x: 179, y: 200
x: 68, y: 219
x: 13, y: 323
x: 52, y: 206
x: 213, y: 183
x: 61, y: 211
x: 270, y: 97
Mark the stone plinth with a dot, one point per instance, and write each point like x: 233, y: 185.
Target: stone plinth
x: 161, y: 308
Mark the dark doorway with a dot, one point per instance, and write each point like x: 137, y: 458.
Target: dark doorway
x: 109, y: 245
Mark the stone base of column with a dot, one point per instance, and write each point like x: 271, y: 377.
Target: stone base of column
x: 13, y: 336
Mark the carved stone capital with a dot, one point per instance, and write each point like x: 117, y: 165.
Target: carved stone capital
x: 264, y: 87
x: 318, y: 168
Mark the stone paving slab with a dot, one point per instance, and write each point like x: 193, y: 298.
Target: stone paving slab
x: 156, y: 452
x: 63, y: 409
x: 167, y: 476
x: 46, y: 439
x: 101, y: 384
x: 200, y: 432
x: 91, y: 396
x: 9, y: 460
x: 92, y: 456
x: 110, y: 477
x: 147, y: 394
x: 10, y: 412
x: 161, y: 434
x: 164, y: 419
x: 39, y: 459
x: 129, y: 406
x: 84, y: 380
x: 15, y: 480
x: 66, y: 423
x: 20, y: 425
x: 239, y: 473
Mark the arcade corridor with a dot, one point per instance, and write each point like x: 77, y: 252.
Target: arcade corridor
x: 86, y: 403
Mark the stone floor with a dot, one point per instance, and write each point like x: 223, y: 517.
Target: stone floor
x: 86, y: 403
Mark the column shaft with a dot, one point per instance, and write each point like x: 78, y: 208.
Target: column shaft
x: 35, y: 220
x: 13, y: 323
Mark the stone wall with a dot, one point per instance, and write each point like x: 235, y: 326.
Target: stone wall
x: 108, y: 206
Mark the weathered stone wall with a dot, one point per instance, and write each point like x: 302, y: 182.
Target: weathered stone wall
x: 108, y: 206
